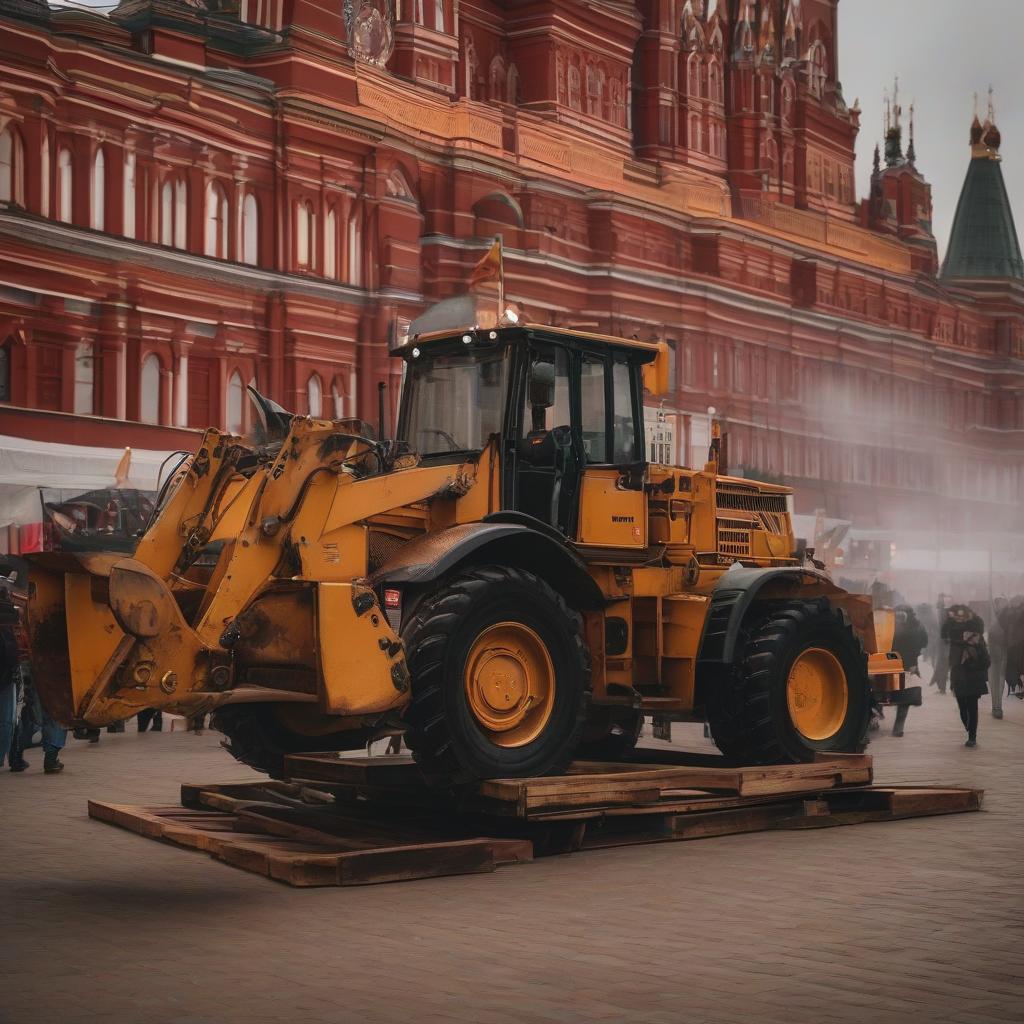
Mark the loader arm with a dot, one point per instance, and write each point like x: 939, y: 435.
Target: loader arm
x: 130, y: 633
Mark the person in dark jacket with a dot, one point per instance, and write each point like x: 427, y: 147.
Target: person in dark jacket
x: 10, y: 659
x: 968, y: 664
x: 910, y: 638
x: 940, y: 676
x: 1011, y: 618
x: 997, y: 654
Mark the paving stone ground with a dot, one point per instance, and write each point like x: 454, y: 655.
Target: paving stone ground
x: 897, y: 922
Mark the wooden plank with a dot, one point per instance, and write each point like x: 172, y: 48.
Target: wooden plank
x: 143, y: 820
x: 622, y: 785
x: 263, y: 789
x: 391, y: 770
x: 390, y: 864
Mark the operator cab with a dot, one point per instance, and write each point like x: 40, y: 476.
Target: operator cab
x: 564, y: 408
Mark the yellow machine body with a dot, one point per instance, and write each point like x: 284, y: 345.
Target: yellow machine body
x: 263, y: 575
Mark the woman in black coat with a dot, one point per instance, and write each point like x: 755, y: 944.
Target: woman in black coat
x: 968, y: 664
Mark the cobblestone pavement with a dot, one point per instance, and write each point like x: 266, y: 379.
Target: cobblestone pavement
x: 895, y: 922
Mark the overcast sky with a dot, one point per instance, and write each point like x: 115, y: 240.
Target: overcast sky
x: 944, y: 51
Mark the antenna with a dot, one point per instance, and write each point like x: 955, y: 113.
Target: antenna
x: 991, y: 106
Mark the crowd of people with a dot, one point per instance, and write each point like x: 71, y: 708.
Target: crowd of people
x: 952, y: 636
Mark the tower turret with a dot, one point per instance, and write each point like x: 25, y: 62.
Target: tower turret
x: 984, y: 242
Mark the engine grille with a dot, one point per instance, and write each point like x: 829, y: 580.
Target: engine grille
x: 750, y: 501
x: 734, y: 542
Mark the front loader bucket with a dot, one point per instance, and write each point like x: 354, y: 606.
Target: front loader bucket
x: 72, y: 633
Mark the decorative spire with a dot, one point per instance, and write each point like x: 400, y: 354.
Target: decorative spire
x: 911, y: 154
x: 984, y: 241
x: 893, y: 131
x: 878, y: 160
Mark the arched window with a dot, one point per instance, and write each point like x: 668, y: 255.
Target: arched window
x: 167, y: 213
x: 174, y: 214
x: 216, y: 240
x: 331, y: 244
x: 305, y: 234
x: 355, y: 250
x: 693, y: 74
x: 5, y: 371
x: 45, y: 175
x: 235, y: 403
x: 696, y: 135
x: 250, y: 230
x: 767, y: 94
x: 497, y: 82
x: 471, y: 67
x: 787, y: 100
x: 595, y: 85
x: 129, y: 195
x: 512, y: 89
x: 818, y: 60
x: 12, y: 167
x: 180, y: 214
x: 149, y: 389
x: 84, y: 375
x: 315, y: 395
x: 439, y: 15
x: 715, y: 82
x: 575, y: 100
x: 64, y: 185
x: 98, y: 203
x: 337, y: 400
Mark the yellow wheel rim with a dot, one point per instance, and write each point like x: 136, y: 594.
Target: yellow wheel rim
x: 816, y: 693
x: 510, y: 684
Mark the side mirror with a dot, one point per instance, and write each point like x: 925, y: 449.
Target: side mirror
x: 542, y: 384
x: 656, y: 380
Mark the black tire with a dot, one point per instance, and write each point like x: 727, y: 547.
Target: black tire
x: 442, y: 733
x: 747, y: 708
x: 611, y: 735
x: 258, y: 738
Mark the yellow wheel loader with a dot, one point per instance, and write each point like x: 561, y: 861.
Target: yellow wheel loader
x: 509, y: 582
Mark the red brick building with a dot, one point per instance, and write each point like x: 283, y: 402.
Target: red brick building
x: 196, y: 194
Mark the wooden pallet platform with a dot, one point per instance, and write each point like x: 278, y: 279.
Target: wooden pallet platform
x: 358, y: 821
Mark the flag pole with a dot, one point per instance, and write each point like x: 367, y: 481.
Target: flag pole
x: 501, y: 278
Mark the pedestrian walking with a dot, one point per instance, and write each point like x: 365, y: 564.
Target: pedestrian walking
x: 54, y: 738
x: 1012, y: 620
x: 940, y: 674
x: 968, y: 664
x: 997, y: 654
x: 10, y: 659
x: 909, y: 638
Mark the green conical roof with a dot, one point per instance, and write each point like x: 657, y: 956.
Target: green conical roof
x: 983, y: 242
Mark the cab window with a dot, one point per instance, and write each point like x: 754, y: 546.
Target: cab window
x: 594, y: 405
x: 546, y: 402
x: 623, y: 421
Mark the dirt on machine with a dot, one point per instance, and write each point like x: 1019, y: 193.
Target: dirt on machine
x: 509, y: 582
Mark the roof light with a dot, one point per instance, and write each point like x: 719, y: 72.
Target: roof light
x: 493, y: 335
x: 467, y: 339
x: 511, y: 316
x: 415, y: 353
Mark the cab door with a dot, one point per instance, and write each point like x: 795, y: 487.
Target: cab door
x: 613, y: 503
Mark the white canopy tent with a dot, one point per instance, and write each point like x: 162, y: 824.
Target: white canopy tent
x: 26, y: 466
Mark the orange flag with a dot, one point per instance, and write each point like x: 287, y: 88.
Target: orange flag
x: 489, y: 268
x: 124, y: 468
